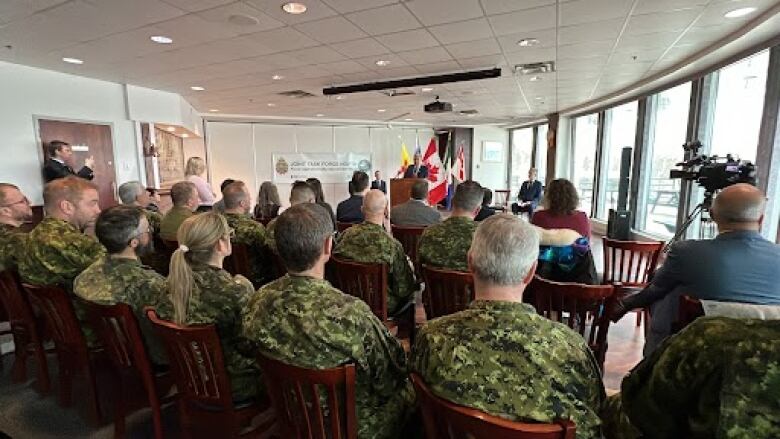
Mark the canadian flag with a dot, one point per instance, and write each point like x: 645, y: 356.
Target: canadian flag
x: 460, y: 165
x: 437, y: 174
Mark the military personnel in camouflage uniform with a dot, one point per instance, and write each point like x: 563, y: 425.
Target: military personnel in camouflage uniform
x: 213, y: 296
x: 57, y: 251
x: 445, y: 245
x: 717, y: 378
x: 185, y: 202
x: 370, y: 243
x: 133, y: 193
x: 248, y: 232
x: 120, y: 277
x: 302, y: 320
x: 301, y: 192
x: 499, y: 355
x: 14, y: 211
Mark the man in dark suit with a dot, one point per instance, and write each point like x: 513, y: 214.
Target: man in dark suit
x: 416, y: 211
x: 351, y: 209
x: 378, y: 183
x: 739, y: 265
x: 58, y: 163
x: 416, y: 169
x: 529, y: 196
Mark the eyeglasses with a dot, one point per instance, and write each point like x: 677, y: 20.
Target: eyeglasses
x: 23, y: 200
x: 231, y: 233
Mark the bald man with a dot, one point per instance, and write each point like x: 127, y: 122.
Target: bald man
x: 368, y: 242
x: 739, y: 265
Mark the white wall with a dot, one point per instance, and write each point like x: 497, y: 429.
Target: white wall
x: 492, y: 175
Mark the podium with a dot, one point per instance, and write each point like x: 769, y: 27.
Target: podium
x: 401, y: 189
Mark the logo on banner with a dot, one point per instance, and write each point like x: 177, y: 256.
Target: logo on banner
x: 364, y: 165
x: 281, y: 166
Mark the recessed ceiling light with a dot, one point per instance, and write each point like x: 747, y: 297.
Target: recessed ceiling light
x: 528, y: 42
x: 185, y: 135
x: 320, y: 115
x: 73, y: 60
x: 427, y: 89
x: 161, y: 39
x: 294, y: 8
x: 339, y: 97
x: 197, y: 88
x: 538, y: 98
x: 534, y: 78
x: 381, y: 110
x: 408, y: 119
x: 277, y: 77
x: 741, y: 12
x: 271, y: 104
x: 171, y: 129
x: 213, y: 110
x: 383, y: 63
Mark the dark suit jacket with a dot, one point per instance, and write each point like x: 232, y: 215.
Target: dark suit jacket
x: 348, y: 211
x: 422, y: 172
x: 531, y: 192
x: 379, y: 184
x: 414, y: 213
x: 52, y: 170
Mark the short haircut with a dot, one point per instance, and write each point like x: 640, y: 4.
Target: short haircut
x: 55, y: 146
x: 70, y: 188
x: 468, y: 196
x: 301, y: 192
x: 420, y: 190
x: 129, y: 192
x: 181, y: 192
x: 360, y: 181
x: 300, y: 233
x: 487, y: 198
x: 503, y: 250
x: 225, y: 183
x: 234, y: 194
x: 116, y: 226
x: 4, y: 187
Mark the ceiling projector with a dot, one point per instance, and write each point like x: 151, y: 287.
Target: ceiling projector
x: 438, y: 107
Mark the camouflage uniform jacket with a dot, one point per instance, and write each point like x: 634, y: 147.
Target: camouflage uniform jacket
x: 252, y: 234
x: 370, y: 243
x: 12, y: 243
x: 216, y: 299
x: 306, y: 322
x: 446, y: 245
x: 56, y: 253
x: 717, y: 378
x: 506, y: 360
x: 169, y: 226
x: 121, y: 280
x: 155, y: 219
x: 270, y: 242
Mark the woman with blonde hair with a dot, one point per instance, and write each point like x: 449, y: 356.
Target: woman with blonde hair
x: 194, y: 171
x: 268, y: 203
x: 201, y: 292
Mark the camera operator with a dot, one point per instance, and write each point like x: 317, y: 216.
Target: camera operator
x: 739, y: 265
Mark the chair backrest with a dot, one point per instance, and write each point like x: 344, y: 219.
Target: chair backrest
x: 446, y: 291
x: 15, y: 301
x: 119, y: 333
x: 445, y: 420
x: 690, y: 309
x: 238, y: 261
x: 364, y: 281
x: 197, y: 363
x: 630, y: 262
x: 340, y: 226
x: 502, y: 198
x: 60, y: 316
x: 572, y: 304
x: 312, y: 403
x: 409, y: 237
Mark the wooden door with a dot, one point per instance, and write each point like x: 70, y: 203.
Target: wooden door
x: 86, y: 139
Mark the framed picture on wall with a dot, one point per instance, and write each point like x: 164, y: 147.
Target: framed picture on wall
x: 492, y: 151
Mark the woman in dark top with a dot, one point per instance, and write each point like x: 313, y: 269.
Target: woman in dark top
x: 319, y: 198
x: 560, y: 209
x: 268, y: 203
x: 485, y: 211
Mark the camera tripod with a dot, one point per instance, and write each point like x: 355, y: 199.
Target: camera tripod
x: 705, y: 227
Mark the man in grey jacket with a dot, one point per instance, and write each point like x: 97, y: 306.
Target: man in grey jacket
x: 416, y: 211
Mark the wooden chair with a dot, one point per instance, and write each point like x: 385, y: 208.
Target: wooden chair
x: 502, y: 199
x: 572, y: 304
x: 689, y: 309
x: 238, y: 261
x: 446, y: 291
x: 367, y: 282
x: 119, y: 332
x: 631, y: 263
x: 26, y: 331
x: 73, y: 354
x: 297, y: 397
x: 340, y: 226
x: 445, y: 420
x: 409, y: 237
x: 198, y: 369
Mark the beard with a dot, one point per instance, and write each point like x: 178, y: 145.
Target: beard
x: 145, y: 249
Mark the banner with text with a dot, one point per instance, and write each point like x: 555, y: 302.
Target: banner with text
x: 327, y: 167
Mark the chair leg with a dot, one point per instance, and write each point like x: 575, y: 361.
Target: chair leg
x: 66, y: 379
x: 639, y: 318
x: 94, y: 400
x: 119, y: 409
x: 156, y: 418
x: 44, y: 382
x: 19, y: 368
x: 184, y: 421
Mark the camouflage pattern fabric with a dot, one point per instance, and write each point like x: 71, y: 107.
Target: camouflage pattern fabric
x: 169, y: 226
x: 306, y: 322
x: 120, y: 280
x: 446, y: 245
x: 506, y: 360
x: 370, y: 243
x: 56, y: 253
x: 270, y: 242
x: 155, y: 220
x: 216, y: 299
x: 252, y: 234
x: 12, y: 244
x: 717, y: 378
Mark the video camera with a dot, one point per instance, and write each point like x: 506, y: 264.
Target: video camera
x: 713, y: 173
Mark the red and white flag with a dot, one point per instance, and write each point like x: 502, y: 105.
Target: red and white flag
x: 437, y: 174
x: 460, y: 165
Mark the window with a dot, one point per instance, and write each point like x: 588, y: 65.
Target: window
x: 739, y: 107
x: 620, y: 133
x: 541, y: 152
x: 522, y: 146
x: 584, y: 166
x: 668, y: 125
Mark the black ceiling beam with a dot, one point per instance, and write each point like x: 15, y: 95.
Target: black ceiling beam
x: 414, y: 82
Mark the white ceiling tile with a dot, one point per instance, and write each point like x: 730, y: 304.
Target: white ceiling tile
x: 197, y: 5
x: 438, y: 67
x: 586, y: 50
x: 317, y: 55
x: 408, y: 40
x: 661, y: 22
x: 345, y: 6
x: 315, y: 10
x: 370, y: 61
x: 714, y: 13
x: 531, y: 56
x: 649, y: 6
x: 648, y: 41
x: 425, y: 56
x: 12, y: 10
x: 282, y: 39
x: 331, y: 30
x: 482, y: 62
x: 343, y: 67
x: 596, y: 31
x: 393, y: 18
x: 191, y: 29
x: 432, y: 12
x: 493, y: 7
x: 546, y: 37
x: 463, y: 31
x: 360, y: 48
x: 586, y: 11
x: 471, y: 49
x: 528, y: 20
x: 221, y: 15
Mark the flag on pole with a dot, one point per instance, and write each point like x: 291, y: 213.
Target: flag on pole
x: 405, y: 159
x: 437, y: 174
x: 460, y: 166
